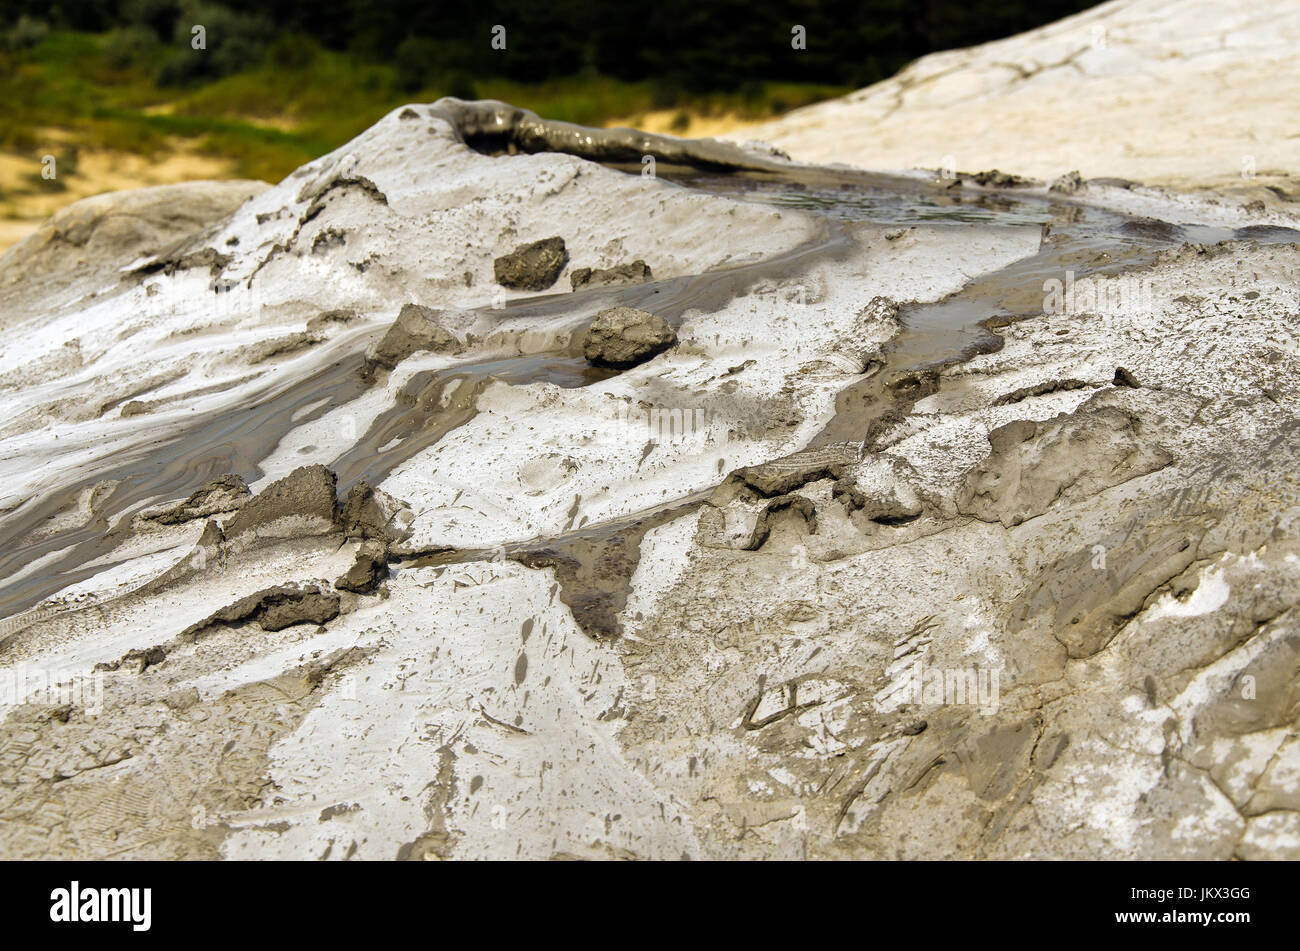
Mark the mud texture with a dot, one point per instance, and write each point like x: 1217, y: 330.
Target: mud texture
x: 1034, y: 464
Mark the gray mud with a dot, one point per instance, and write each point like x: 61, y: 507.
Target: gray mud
x: 1088, y: 240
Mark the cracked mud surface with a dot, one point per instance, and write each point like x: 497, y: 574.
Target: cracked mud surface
x: 379, y: 566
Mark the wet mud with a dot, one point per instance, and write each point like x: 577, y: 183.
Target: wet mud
x: 1085, y: 239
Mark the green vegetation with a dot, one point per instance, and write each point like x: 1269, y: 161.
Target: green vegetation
x: 262, y: 86
x: 300, y: 100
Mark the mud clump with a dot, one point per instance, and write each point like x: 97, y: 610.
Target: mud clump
x: 370, y: 514
x: 637, y: 272
x: 225, y: 494
x: 885, y: 508
x: 302, y: 503
x: 994, y: 178
x: 622, y: 337
x: 1071, y: 183
x: 367, y: 571
x: 771, y: 479
x: 743, y: 510
x: 532, y: 267
x: 1150, y: 228
x: 914, y: 386
x: 1124, y: 378
x: 1033, y: 464
x: 1040, y: 389
x: 137, y: 660
x: 273, y: 609
x: 416, y: 328
x: 324, y: 320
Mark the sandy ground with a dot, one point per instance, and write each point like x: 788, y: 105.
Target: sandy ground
x: 28, y: 199
x: 668, y: 122
x: 1176, y: 92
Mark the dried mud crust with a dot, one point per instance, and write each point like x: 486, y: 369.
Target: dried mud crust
x: 1125, y: 559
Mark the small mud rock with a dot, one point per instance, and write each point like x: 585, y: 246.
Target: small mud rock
x: 325, y: 320
x: 273, y: 609
x: 311, y: 608
x: 300, y: 504
x: 892, y: 505
x: 1124, y: 378
x: 1150, y: 228
x: 638, y: 272
x: 778, y: 478
x: 1033, y: 464
x: 911, y: 387
x: 226, y: 494
x: 369, y: 569
x: 622, y: 337
x: 416, y: 328
x: 533, y: 267
x: 883, y: 490
x: 1071, y: 183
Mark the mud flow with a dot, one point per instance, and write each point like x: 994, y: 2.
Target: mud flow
x: 1077, y: 236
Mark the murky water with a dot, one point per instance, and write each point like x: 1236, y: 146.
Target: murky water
x: 1077, y: 237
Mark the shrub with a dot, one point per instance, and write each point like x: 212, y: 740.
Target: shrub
x: 26, y: 33
x: 129, y: 46
x: 234, y: 42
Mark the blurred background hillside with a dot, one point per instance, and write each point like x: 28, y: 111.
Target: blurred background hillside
x: 115, y: 93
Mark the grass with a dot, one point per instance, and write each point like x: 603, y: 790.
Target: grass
x: 81, y: 91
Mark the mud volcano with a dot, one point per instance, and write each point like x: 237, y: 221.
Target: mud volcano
x: 904, y: 517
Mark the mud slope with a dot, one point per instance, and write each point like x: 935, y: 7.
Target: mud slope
x: 320, y: 541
